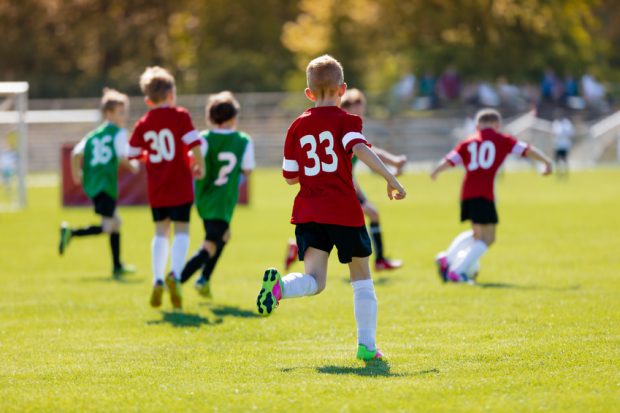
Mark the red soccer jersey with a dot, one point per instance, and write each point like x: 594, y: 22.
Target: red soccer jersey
x: 166, y: 134
x: 318, y: 150
x: 482, y: 154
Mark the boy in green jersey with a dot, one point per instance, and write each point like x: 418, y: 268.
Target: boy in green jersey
x: 94, y: 165
x: 228, y: 154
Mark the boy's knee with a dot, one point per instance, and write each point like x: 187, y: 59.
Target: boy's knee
x: 320, y: 286
x: 210, y: 247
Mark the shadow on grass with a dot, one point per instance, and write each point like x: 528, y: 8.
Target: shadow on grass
x: 373, y: 368
x: 179, y: 319
x: 120, y: 280
x: 525, y: 287
x: 231, y: 311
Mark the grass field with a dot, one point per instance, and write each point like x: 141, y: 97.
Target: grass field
x: 541, y: 333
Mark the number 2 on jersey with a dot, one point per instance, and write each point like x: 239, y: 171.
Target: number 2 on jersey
x: 482, y: 157
x: 310, y: 140
x: 225, y: 170
x: 162, y: 145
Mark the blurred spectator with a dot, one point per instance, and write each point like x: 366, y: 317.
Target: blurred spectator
x: 449, y: 87
x: 510, y: 95
x: 563, y: 132
x: 428, y: 93
x: 402, y: 93
x: 593, y: 91
x: 571, y: 98
x: 487, y: 96
x: 551, y: 89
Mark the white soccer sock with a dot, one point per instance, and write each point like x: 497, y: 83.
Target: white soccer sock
x: 159, y: 256
x: 298, y: 285
x: 365, y: 309
x: 475, y: 252
x: 180, y: 245
x: 461, y: 241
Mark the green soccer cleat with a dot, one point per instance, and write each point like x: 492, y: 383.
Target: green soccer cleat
x: 364, y: 354
x: 65, y: 237
x: 156, y: 294
x: 174, y: 288
x: 203, y: 288
x: 271, y: 292
x: 123, y: 270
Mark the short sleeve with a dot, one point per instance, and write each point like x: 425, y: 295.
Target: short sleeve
x: 188, y: 133
x: 121, y: 145
x: 136, y: 142
x: 248, y: 162
x: 79, y: 148
x: 455, y: 156
x: 352, y: 133
x: 517, y: 147
x: 290, y: 166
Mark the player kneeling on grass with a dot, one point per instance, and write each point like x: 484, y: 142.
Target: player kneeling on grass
x: 227, y: 154
x: 94, y: 165
x: 317, y: 156
x: 482, y: 154
x: 166, y: 134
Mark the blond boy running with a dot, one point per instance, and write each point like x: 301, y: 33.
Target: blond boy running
x: 317, y: 156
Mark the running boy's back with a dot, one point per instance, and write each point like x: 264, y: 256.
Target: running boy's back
x: 318, y: 151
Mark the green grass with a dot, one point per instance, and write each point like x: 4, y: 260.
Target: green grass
x: 542, y: 332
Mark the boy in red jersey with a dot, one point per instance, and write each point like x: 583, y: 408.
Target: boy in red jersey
x: 165, y: 134
x: 482, y: 154
x: 317, y: 156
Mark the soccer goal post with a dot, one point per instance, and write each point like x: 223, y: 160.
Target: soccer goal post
x: 13, y: 144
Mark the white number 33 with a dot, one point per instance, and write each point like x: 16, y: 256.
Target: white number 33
x: 318, y: 166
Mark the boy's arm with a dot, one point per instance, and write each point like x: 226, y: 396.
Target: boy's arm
x: 388, y: 158
x: 76, y: 167
x: 199, y: 162
x: 77, y: 154
x: 440, y: 167
x: 537, y: 155
x: 248, y: 162
x: 121, y: 147
x: 366, y: 155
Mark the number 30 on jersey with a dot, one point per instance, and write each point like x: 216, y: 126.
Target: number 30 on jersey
x: 309, y: 142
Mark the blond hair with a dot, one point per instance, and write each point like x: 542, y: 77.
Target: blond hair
x: 352, y: 97
x: 111, y: 99
x: 324, y: 75
x: 222, y: 107
x: 487, y: 116
x: 155, y: 83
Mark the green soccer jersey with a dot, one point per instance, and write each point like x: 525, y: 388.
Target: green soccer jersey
x: 100, y: 164
x: 228, y: 153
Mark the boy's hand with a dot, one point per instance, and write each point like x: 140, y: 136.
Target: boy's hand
x: 134, y: 166
x: 396, y: 186
x: 548, y: 169
x: 198, y: 171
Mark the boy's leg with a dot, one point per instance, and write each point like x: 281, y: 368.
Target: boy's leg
x: 484, y: 235
x: 180, y: 245
x: 461, y: 241
x: 209, y: 266
x: 111, y: 225
x: 314, y: 278
x: 314, y: 245
x: 159, y: 257
x: 160, y: 249
x: 218, y: 234
x: 364, y: 308
x: 381, y: 263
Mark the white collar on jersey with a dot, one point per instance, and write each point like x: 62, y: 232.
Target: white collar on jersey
x: 223, y: 131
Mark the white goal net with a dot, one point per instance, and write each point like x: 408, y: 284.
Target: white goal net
x: 13, y: 145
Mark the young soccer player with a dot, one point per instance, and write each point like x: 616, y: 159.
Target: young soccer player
x: 353, y: 101
x: 482, y: 154
x: 317, y: 156
x: 166, y: 134
x: 228, y: 153
x: 94, y: 165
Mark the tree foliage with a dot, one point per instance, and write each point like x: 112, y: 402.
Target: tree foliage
x: 75, y: 47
